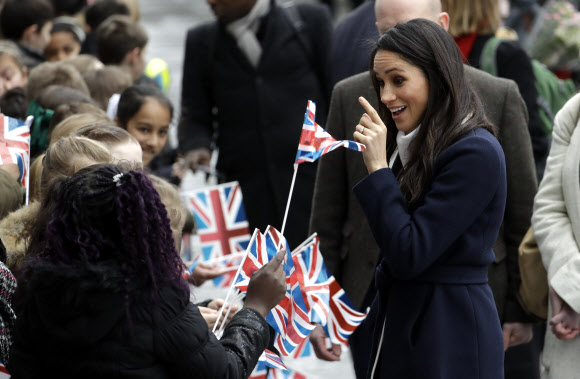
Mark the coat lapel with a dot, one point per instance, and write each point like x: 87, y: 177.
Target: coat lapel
x: 278, y: 30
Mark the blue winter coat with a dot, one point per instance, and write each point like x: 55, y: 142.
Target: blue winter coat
x: 433, y: 299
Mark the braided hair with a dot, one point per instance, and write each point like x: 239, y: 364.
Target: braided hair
x: 105, y: 212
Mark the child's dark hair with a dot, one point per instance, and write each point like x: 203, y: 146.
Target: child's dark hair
x: 68, y: 7
x: 99, y: 11
x: 17, y: 15
x: 117, y: 36
x: 106, y: 213
x: 134, y: 97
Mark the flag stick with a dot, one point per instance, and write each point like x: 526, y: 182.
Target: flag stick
x: 239, y: 296
x: 289, y: 198
x: 307, y: 241
x: 235, y: 278
x: 28, y: 122
x: 224, y: 258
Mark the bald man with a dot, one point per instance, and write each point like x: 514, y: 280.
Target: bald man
x: 347, y: 244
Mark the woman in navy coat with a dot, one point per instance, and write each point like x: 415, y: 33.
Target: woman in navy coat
x: 435, y: 209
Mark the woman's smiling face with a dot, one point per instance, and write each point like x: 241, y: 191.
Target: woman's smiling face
x: 404, y: 89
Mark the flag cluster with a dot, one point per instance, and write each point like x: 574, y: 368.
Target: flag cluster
x: 312, y: 294
x: 315, y: 141
x: 15, y: 145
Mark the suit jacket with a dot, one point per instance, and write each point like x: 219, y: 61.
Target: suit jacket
x: 556, y: 225
x: 349, y: 250
x: 259, y: 110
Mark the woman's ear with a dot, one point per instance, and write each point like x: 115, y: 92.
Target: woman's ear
x: 443, y: 20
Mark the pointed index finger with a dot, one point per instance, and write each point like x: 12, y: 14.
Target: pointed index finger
x: 374, y: 115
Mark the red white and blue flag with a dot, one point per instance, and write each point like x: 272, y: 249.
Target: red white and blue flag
x: 279, y: 374
x: 290, y: 317
x: 15, y: 145
x: 343, y: 318
x: 315, y: 141
x: 260, y: 371
x: 272, y: 359
x: 221, y: 222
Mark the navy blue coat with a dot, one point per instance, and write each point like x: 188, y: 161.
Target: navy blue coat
x: 433, y: 299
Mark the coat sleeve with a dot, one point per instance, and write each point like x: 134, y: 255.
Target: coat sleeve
x: 521, y: 189
x: 329, y: 205
x: 190, y: 350
x: 466, y: 182
x: 551, y: 224
x: 195, y: 128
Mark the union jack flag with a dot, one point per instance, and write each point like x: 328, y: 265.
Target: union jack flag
x: 314, y: 280
x: 343, y: 317
x: 303, y: 350
x: 315, y: 141
x: 221, y: 222
x: 289, y: 318
x: 15, y: 145
x: 272, y: 359
x: 260, y: 371
x: 279, y: 374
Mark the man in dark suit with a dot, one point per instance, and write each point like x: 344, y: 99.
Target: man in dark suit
x: 251, y: 73
x: 352, y: 43
x: 347, y: 245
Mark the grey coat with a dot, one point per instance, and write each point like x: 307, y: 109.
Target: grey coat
x: 347, y: 245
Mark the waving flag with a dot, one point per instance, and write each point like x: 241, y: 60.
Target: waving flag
x: 290, y: 317
x: 343, y: 317
x: 315, y: 141
x: 221, y: 222
x: 272, y: 359
x: 15, y: 145
x: 279, y: 374
x: 314, y: 280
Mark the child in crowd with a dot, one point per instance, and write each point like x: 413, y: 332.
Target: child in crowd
x: 122, y: 42
x: 85, y: 63
x: 95, y: 14
x: 145, y: 112
x: 70, y: 125
x: 121, y: 145
x: 65, y: 157
x: 109, y: 248
x: 66, y: 38
x: 28, y: 24
x: 106, y: 82
x: 13, y: 72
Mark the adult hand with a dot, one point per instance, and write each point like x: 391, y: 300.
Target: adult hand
x: 516, y: 333
x: 12, y: 169
x: 203, y: 272
x: 267, y: 286
x: 318, y: 339
x: 216, y: 305
x: 565, y: 323
x: 372, y: 132
x: 197, y: 157
x: 209, y: 315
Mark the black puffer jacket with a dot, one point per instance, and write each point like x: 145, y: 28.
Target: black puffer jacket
x: 74, y: 323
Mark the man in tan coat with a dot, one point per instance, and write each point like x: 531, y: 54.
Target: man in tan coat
x: 347, y: 245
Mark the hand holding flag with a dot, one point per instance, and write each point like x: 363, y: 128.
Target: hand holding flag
x: 267, y: 286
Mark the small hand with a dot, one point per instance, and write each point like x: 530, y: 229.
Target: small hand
x: 203, y: 272
x: 516, y: 333
x: 197, y: 157
x: 216, y: 305
x: 209, y: 315
x: 267, y: 286
x: 318, y: 339
x: 12, y: 169
x: 373, y: 136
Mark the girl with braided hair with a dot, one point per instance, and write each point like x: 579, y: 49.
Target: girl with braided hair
x: 104, y: 297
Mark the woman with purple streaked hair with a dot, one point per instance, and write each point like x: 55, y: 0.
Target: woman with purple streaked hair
x: 102, y: 294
